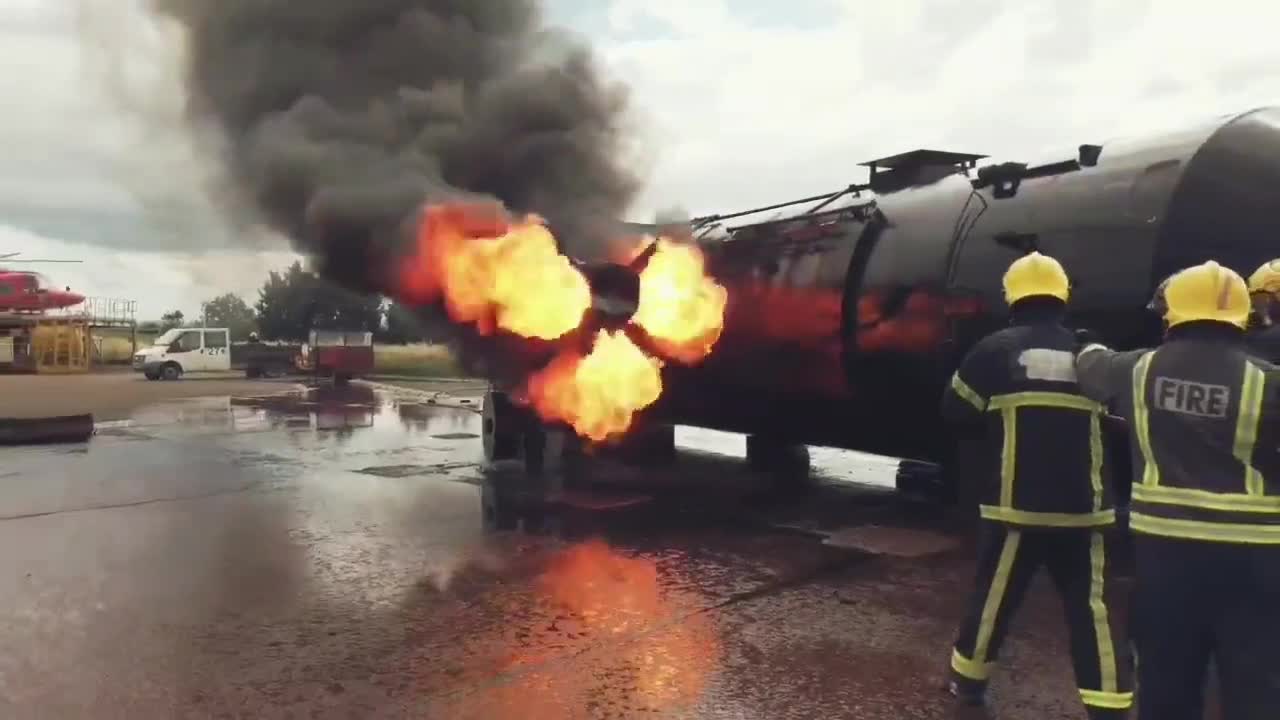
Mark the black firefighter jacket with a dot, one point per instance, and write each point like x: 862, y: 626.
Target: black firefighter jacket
x: 1040, y: 458
x: 1265, y: 343
x: 1204, y: 419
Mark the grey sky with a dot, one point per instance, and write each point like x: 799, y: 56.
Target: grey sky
x: 738, y: 102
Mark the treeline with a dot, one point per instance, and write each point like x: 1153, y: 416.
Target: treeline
x: 292, y: 302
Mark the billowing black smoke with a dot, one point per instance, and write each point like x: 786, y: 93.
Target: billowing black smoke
x: 341, y: 117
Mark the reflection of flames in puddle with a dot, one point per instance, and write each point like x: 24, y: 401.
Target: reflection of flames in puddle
x: 641, y: 648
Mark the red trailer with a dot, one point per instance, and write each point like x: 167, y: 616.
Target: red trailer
x: 339, y: 354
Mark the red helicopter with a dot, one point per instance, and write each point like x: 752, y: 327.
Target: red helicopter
x: 25, y: 291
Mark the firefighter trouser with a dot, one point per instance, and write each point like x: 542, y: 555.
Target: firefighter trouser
x: 1197, y: 601
x: 1076, y: 559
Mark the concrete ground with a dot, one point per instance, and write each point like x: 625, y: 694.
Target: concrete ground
x: 345, y: 554
x: 115, y: 395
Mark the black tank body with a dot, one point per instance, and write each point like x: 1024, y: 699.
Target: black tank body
x: 845, y: 322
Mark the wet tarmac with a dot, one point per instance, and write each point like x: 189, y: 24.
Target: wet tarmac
x: 345, y: 554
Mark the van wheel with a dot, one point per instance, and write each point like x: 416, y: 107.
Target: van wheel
x: 171, y: 371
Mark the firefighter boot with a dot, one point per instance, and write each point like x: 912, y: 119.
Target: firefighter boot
x: 965, y: 690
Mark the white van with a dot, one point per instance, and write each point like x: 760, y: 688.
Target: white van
x: 184, y: 350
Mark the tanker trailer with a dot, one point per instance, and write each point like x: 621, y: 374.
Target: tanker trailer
x: 849, y: 311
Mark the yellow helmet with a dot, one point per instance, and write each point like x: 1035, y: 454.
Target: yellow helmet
x: 1207, y: 291
x: 1035, y: 274
x: 1266, y: 279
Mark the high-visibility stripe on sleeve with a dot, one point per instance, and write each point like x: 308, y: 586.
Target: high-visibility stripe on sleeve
x: 1247, y: 426
x: 1095, y: 459
x: 1142, y: 420
x: 967, y: 393
x: 1208, y: 531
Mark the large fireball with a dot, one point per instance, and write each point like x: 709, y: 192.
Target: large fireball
x: 496, y: 273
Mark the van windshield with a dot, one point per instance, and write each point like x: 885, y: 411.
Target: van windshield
x: 168, y: 337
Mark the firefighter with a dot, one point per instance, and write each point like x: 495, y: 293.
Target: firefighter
x: 1264, y: 291
x: 1045, y: 500
x: 1204, y: 418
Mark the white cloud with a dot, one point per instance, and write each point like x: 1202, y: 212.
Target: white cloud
x: 754, y: 111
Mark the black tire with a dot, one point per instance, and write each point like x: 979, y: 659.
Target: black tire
x: 497, y: 510
x: 788, y: 464
x: 253, y: 372
x: 171, y: 371
x: 500, y: 427
x: 649, y: 445
x: 151, y: 374
x: 925, y: 481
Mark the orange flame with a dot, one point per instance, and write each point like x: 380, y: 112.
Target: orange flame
x: 598, y: 394
x: 497, y: 273
x: 494, y: 272
x: 680, y: 307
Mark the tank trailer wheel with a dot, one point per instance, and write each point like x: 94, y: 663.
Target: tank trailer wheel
x: 500, y: 427
x: 788, y: 463
x: 171, y: 371
x: 497, y: 511
x: 926, y: 482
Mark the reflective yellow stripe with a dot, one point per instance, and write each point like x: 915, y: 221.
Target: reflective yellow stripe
x: 995, y: 595
x: 1247, y: 425
x: 1109, y: 700
x: 1208, y: 531
x: 1045, y: 519
x: 1187, y: 497
x: 967, y: 393
x: 1141, y: 416
x: 1101, y: 625
x: 1008, y: 455
x: 1095, y: 459
x: 1043, y: 399
x: 970, y: 669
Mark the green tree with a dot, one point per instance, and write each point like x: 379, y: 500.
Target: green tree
x: 232, y: 312
x: 277, y: 308
x: 171, y: 319
x: 292, y: 302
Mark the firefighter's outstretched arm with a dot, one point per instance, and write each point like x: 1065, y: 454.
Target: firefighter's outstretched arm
x: 966, y: 396
x: 1104, y: 374
x: 1267, y: 447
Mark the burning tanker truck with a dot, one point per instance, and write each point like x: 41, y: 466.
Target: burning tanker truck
x: 836, y: 319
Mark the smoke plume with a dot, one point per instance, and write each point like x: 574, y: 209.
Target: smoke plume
x: 340, y: 118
